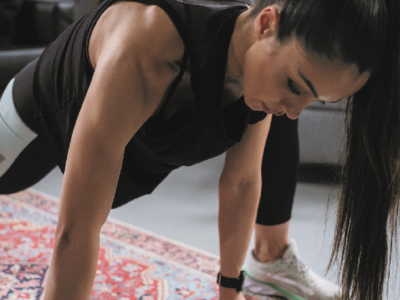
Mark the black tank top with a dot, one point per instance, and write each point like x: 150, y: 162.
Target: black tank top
x: 63, y: 75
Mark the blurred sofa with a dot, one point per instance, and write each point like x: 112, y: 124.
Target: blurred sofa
x: 321, y: 133
x: 27, y: 26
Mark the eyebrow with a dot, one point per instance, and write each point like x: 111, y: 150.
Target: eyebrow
x: 310, y: 85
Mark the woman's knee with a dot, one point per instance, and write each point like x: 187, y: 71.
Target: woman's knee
x: 25, y: 157
x: 30, y: 166
x: 7, y: 188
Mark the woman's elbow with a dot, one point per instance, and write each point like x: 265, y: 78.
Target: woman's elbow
x: 237, y: 183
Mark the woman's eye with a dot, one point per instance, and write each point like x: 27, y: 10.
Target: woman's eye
x: 292, y: 87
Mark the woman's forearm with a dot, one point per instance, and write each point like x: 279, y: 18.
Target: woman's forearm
x: 73, y: 269
x: 237, y: 214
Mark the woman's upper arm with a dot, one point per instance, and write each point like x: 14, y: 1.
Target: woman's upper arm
x: 243, y: 161
x: 132, y: 48
x: 132, y: 72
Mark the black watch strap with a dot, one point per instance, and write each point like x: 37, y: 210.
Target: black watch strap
x: 233, y: 283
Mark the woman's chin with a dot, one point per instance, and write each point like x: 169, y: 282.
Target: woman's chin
x: 253, y: 105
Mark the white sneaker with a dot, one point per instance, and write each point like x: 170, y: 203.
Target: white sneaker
x: 255, y: 296
x: 288, y: 276
x: 251, y: 296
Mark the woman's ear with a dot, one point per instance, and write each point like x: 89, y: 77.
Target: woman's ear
x: 267, y: 22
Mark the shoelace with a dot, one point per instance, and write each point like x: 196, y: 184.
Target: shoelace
x: 299, y: 264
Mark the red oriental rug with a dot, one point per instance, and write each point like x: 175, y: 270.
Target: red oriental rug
x: 133, y: 263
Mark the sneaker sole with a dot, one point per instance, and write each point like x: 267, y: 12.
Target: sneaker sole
x: 263, y: 296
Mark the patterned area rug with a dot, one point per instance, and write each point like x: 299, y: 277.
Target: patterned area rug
x: 133, y: 263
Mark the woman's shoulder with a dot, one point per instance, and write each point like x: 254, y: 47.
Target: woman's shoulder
x: 134, y: 27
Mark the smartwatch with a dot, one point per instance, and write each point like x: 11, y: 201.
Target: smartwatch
x: 232, y: 283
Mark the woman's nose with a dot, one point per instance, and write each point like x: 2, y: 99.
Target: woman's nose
x: 294, y: 111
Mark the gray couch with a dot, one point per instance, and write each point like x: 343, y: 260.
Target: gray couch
x: 321, y: 133
x: 27, y: 27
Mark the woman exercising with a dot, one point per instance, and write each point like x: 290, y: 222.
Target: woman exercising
x: 135, y: 89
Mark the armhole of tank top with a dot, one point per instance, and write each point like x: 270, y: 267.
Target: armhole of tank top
x: 173, y: 15
x: 176, y: 80
x: 100, y: 11
x: 157, y: 118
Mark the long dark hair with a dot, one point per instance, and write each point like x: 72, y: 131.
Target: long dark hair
x: 365, y: 33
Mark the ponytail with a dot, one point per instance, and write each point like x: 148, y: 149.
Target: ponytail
x: 368, y: 211
x: 365, y: 33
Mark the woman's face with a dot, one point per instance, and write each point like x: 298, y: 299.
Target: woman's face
x: 283, y: 78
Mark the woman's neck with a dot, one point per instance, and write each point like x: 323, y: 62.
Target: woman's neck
x: 241, y: 40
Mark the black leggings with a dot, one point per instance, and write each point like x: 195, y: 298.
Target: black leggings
x: 279, y: 172
x: 279, y: 167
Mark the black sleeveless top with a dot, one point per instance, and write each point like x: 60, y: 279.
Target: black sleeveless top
x: 64, y: 72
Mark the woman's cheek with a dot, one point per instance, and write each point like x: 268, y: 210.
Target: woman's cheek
x: 248, y: 85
